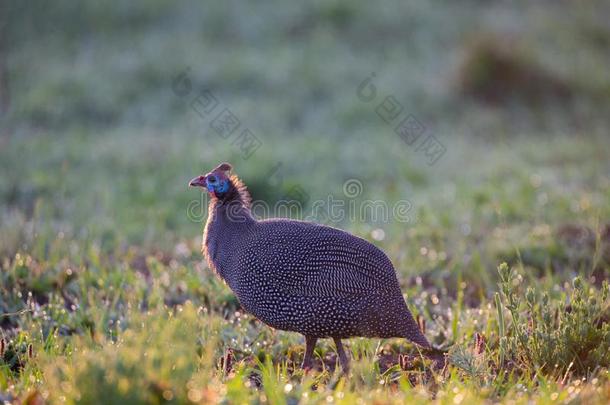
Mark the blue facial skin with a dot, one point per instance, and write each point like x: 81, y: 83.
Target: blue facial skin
x: 218, y: 187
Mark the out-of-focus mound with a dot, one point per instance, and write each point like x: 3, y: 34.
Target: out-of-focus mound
x: 497, y: 70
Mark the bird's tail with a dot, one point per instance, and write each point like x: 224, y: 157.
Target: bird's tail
x: 414, y: 333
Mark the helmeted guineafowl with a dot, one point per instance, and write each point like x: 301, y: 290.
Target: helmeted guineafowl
x: 300, y: 276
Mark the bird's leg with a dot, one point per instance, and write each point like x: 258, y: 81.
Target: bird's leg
x: 342, y: 356
x: 310, y: 345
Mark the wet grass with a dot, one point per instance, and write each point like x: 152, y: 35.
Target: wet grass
x: 504, y: 255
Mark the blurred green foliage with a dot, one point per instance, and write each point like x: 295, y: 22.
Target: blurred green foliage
x: 103, y: 291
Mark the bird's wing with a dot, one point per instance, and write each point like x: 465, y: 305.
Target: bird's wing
x: 313, y: 260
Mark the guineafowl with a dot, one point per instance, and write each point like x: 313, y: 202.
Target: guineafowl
x: 299, y: 276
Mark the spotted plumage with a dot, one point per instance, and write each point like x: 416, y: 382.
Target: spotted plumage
x: 299, y: 276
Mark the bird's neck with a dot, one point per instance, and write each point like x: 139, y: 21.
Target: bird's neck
x: 229, y: 212
x: 228, y: 221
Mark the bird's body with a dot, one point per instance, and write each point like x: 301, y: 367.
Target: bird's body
x: 304, y: 277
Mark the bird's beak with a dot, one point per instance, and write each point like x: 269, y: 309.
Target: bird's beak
x: 198, y: 181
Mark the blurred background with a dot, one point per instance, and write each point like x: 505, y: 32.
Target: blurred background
x: 490, y: 119
x: 506, y: 145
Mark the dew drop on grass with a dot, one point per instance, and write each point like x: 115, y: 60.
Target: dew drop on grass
x: 458, y: 398
x: 378, y: 234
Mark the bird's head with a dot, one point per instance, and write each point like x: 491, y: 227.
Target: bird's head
x: 217, y: 182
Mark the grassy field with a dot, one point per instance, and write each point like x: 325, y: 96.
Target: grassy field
x: 503, y: 251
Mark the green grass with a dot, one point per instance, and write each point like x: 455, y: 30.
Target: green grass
x: 104, y: 293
